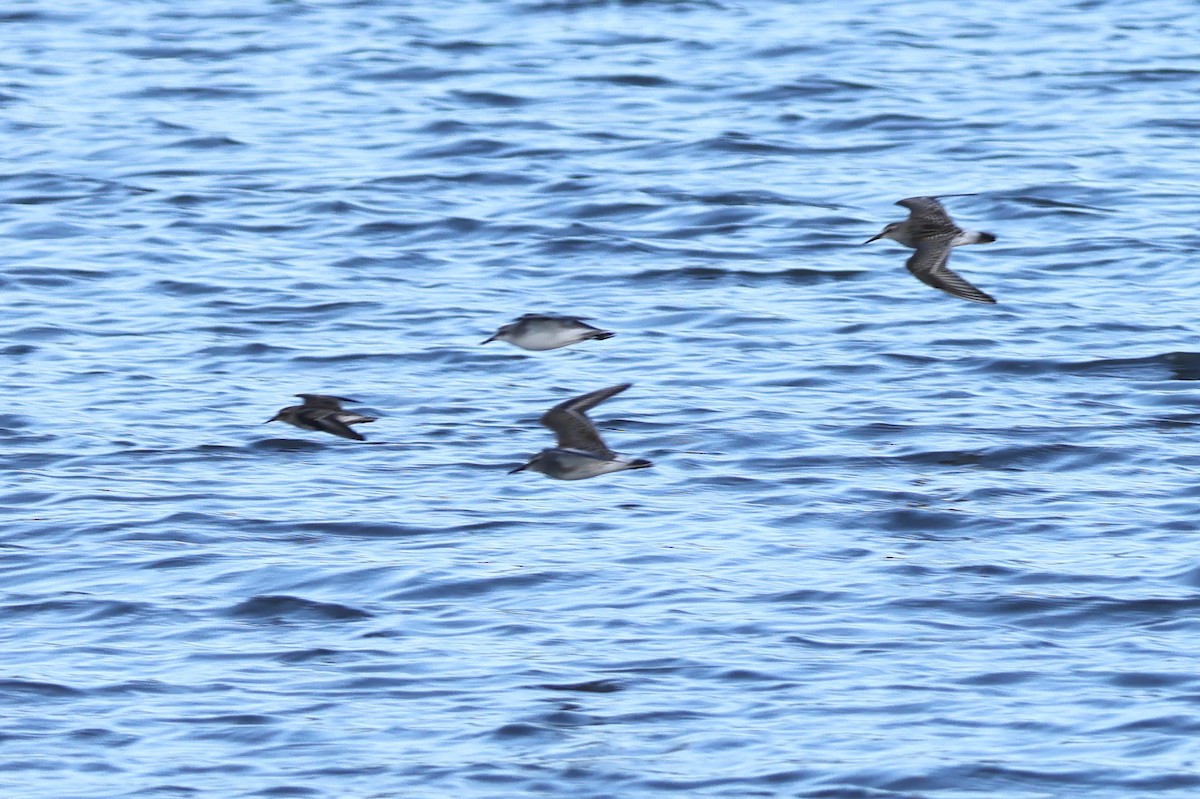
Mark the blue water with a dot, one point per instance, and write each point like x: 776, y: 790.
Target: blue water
x: 894, y: 544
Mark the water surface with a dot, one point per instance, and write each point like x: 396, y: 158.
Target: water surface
x: 894, y: 544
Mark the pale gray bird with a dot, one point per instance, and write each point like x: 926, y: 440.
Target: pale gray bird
x: 580, y: 453
x: 323, y: 413
x: 930, y: 231
x: 535, y: 331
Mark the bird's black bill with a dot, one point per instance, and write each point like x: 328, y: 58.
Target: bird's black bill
x: 874, y: 238
x: 520, y: 468
x: 486, y: 340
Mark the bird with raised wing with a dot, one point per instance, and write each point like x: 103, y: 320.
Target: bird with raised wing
x: 930, y: 231
x: 534, y: 331
x: 323, y: 413
x: 580, y: 452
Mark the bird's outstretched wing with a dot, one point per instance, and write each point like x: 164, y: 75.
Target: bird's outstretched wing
x: 324, y: 401
x: 329, y: 422
x: 572, y: 427
x: 548, y: 317
x: 928, y: 264
x: 927, y: 217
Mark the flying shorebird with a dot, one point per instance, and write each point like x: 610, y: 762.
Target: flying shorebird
x: 535, y: 331
x: 323, y: 413
x: 580, y: 453
x: 930, y: 231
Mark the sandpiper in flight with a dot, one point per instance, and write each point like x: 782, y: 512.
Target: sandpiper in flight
x: 544, y: 332
x: 580, y: 452
x: 324, y: 413
x: 930, y: 231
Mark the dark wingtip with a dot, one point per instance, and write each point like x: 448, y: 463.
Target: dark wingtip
x: 640, y: 463
x: 986, y: 238
x: 602, y: 335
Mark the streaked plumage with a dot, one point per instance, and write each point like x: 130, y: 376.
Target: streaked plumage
x: 580, y: 452
x: 534, y: 331
x: 324, y: 413
x: 930, y: 231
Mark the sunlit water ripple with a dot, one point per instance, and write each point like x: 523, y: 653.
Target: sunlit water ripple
x: 893, y: 544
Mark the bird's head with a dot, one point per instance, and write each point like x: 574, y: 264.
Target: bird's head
x: 888, y: 232
x: 500, y: 335
x: 535, y: 464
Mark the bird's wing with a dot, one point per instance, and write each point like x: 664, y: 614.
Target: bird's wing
x: 572, y: 427
x: 928, y: 264
x: 330, y: 422
x: 550, y: 317
x: 927, y: 217
x: 323, y: 401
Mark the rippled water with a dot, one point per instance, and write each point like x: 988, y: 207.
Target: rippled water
x: 894, y: 544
